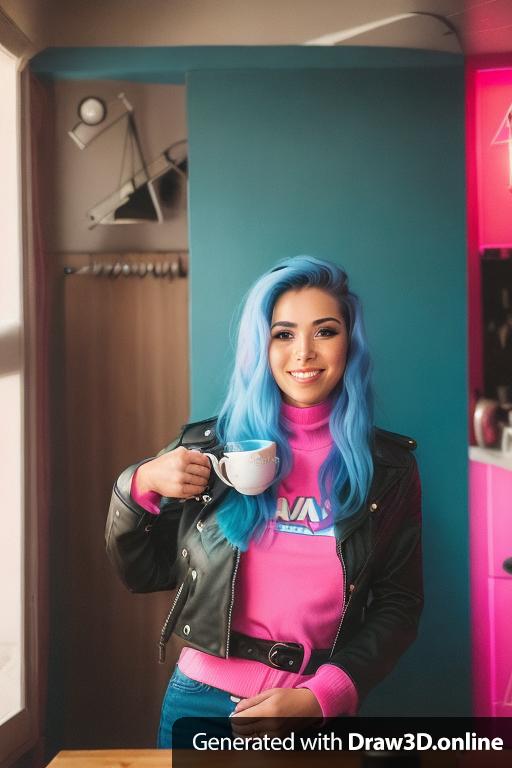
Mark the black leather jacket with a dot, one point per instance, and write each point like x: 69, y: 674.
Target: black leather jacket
x: 379, y: 548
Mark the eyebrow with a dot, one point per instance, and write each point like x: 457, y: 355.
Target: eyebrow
x: 321, y: 320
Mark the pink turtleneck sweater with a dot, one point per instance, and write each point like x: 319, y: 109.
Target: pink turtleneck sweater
x: 289, y: 585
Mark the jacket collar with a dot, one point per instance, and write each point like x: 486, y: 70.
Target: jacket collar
x: 384, y: 478
x: 391, y: 458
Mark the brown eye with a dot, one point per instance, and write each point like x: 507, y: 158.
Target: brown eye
x: 283, y: 335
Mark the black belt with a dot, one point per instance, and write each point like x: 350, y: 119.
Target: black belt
x: 274, y: 653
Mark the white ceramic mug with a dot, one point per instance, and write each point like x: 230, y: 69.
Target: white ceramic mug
x: 249, y: 466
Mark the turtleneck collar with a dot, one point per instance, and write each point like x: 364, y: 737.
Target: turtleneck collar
x: 308, y: 427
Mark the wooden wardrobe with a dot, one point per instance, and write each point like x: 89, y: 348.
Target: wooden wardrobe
x: 121, y: 384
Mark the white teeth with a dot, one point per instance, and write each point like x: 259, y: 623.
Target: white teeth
x: 305, y: 374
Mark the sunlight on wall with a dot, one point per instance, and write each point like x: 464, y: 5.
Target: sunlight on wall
x: 11, y: 551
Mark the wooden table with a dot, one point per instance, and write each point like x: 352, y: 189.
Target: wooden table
x: 112, y: 758
x: 162, y: 758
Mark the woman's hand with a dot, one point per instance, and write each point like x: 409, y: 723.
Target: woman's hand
x: 269, y: 712
x: 179, y: 474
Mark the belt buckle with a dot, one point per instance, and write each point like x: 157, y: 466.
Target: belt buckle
x: 273, y: 651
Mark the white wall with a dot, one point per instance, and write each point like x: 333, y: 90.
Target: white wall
x: 207, y: 22
x: 83, y: 178
x: 31, y: 17
x: 241, y: 22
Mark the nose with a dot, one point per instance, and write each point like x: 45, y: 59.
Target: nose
x: 305, y: 349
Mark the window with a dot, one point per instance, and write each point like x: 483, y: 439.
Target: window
x: 11, y: 550
x: 15, y: 725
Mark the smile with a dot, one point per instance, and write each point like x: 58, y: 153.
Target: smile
x: 305, y: 375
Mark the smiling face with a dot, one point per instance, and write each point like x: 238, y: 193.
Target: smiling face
x: 308, y: 345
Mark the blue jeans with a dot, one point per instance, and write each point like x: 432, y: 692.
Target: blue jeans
x: 185, y: 697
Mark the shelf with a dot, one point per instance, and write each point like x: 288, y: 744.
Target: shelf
x: 491, y: 456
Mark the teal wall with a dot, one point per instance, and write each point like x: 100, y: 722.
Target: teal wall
x: 365, y: 168
x: 172, y: 65
x: 356, y: 155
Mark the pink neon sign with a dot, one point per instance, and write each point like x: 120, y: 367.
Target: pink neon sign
x: 494, y: 157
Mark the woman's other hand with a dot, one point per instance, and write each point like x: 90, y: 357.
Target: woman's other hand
x: 179, y: 474
x: 269, y: 712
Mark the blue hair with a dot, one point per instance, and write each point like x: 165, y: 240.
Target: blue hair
x: 252, y: 405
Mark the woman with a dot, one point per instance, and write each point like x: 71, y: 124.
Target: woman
x: 295, y: 602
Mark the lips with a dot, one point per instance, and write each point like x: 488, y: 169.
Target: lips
x: 308, y: 374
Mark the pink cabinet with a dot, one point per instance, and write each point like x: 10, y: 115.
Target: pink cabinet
x: 501, y: 609
x: 491, y: 588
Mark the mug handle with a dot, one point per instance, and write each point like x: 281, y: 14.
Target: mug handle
x: 218, y: 468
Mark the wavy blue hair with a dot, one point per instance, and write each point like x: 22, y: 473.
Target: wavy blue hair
x: 252, y: 405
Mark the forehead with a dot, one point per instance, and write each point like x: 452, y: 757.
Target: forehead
x: 303, y: 304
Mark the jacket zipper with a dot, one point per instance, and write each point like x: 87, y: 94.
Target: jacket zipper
x: 163, y: 633
x: 232, y: 599
x: 346, y: 603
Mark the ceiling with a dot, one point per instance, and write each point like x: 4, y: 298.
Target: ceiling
x: 473, y: 26
x: 478, y: 26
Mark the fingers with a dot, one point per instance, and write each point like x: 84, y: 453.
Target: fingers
x: 194, y: 484
x: 179, y: 473
x: 188, y: 486
x: 191, y: 461
x: 257, y: 714
x: 190, y: 474
x: 252, y: 700
x: 257, y: 726
x: 198, y: 471
x: 198, y: 459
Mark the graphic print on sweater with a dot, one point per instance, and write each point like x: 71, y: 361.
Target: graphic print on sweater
x: 304, y: 516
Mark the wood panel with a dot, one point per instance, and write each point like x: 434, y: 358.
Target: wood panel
x: 222, y: 759
x: 125, y: 372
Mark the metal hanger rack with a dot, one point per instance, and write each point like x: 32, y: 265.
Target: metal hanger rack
x: 163, y: 266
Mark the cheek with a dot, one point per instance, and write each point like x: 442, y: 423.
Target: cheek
x: 273, y: 360
x: 339, y: 359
